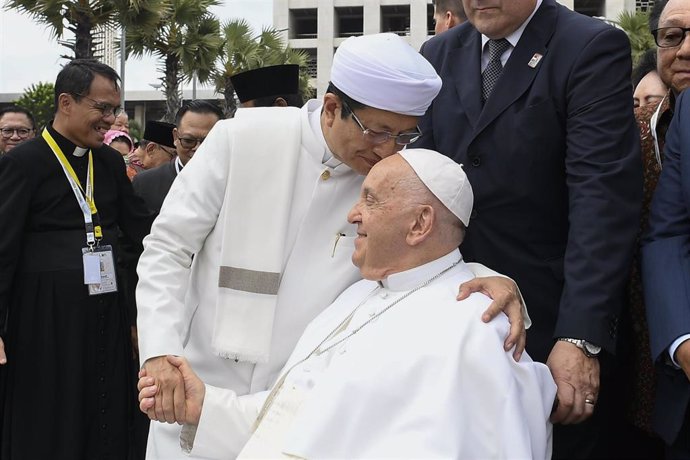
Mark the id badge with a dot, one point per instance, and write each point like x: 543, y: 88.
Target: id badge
x: 99, y: 270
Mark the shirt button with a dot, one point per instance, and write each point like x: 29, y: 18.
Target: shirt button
x: 476, y: 161
x: 326, y: 175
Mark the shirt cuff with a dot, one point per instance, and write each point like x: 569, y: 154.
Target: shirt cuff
x: 674, y: 346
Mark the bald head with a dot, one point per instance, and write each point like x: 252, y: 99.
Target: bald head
x: 400, y: 223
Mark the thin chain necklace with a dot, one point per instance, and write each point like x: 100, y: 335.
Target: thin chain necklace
x: 318, y: 351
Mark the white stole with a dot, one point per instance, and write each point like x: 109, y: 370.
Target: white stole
x: 265, y: 146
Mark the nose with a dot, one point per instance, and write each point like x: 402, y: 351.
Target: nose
x: 387, y: 148
x: 15, y: 136
x: 353, y: 216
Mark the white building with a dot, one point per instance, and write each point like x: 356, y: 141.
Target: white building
x: 104, y: 38
x: 319, y: 26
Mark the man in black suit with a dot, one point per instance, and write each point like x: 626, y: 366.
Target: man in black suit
x: 537, y: 104
x: 194, y: 120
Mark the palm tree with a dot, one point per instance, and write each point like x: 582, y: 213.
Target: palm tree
x: 636, y: 26
x: 243, y: 51
x: 186, y: 40
x: 84, y: 17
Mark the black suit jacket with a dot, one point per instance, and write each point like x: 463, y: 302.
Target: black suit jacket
x: 153, y: 185
x: 666, y: 274
x: 554, y: 161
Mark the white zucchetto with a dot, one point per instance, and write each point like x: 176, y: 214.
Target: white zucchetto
x: 384, y: 72
x: 444, y: 178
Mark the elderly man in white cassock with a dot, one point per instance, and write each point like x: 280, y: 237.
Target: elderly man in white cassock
x: 263, y: 213
x: 394, y: 367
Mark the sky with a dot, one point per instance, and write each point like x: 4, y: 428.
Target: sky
x: 28, y: 53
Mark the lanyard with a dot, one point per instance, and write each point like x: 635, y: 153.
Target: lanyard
x: 84, y: 198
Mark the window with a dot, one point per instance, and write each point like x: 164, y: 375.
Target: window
x: 396, y: 19
x: 303, y: 23
x: 430, y: 26
x: 349, y: 21
x: 590, y: 7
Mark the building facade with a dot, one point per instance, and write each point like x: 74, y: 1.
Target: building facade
x: 104, y: 45
x: 319, y: 26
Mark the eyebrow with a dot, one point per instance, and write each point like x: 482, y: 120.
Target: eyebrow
x: 673, y: 22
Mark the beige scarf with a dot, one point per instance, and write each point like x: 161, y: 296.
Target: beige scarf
x: 266, y: 144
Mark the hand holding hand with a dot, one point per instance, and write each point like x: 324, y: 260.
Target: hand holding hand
x: 169, y: 401
x: 577, y: 378
x: 194, y: 392
x: 506, y: 298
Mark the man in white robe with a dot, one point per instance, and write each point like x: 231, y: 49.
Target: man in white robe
x: 394, y: 368
x: 252, y: 241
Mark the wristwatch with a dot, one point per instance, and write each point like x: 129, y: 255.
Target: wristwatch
x: 588, y: 348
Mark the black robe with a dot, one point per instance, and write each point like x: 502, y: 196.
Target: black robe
x: 66, y: 391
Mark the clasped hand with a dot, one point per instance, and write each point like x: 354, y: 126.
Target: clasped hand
x: 170, y: 391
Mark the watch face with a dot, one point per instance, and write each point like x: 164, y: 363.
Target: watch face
x: 592, y: 349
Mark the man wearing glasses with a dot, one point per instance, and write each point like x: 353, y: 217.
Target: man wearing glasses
x: 65, y: 354
x: 664, y: 253
x: 16, y: 126
x: 252, y: 241
x: 194, y: 120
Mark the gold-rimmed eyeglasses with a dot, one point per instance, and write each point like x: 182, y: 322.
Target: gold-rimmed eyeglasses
x: 380, y: 137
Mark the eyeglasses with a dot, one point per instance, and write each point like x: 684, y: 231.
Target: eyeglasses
x: 190, y: 142
x: 669, y: 37
x: 380, y: 137
x: 168, y: 150
x: 22, y: 133
x: 105, y: 109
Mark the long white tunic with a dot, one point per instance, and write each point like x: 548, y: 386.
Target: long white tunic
x: 425, y: 379
x: 177, y: 298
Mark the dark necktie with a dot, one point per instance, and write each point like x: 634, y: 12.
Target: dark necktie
x: 494, y: 67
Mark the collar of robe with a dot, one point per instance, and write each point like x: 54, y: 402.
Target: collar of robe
x: 408, y: 279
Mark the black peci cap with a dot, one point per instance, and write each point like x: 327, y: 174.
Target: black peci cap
x: 277, y: 80
x: 159, y: 132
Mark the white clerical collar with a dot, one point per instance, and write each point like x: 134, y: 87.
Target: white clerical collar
x: 514, y: 38
x: 410, y: 279
x: 80, y: 151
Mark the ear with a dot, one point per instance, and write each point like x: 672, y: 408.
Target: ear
x: 331, y: 108
x: 449, y: 19
x: 150, y: 148
x: 175, y: 134
x: 280, y: 102
x: 422, y: 225
x: 65, y: 103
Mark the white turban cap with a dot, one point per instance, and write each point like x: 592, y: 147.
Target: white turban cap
x: 383, y: 71
x: 444, y: 178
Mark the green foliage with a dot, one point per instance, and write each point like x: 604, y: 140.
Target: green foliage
x: 186, y: 40
x: 635, y: 24
x: 83, y: 17
x: 39, y: 99
x: 135, y: 130
x: 243, y: 51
